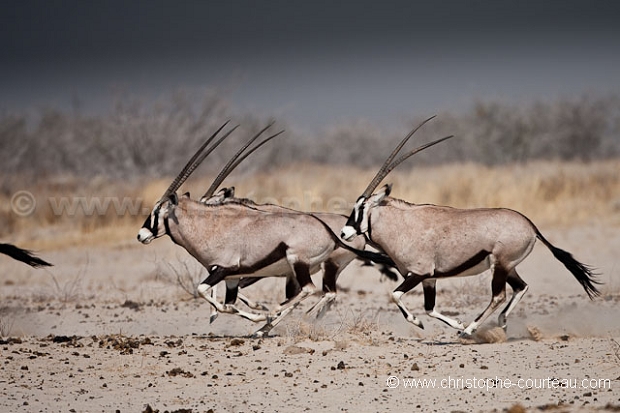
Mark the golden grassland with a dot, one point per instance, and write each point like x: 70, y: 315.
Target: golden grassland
x: 555, y: 194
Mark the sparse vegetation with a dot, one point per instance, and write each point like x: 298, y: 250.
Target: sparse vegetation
x: 65, y: 291
x: 184, y: 274
x: 554, y: 161
x: 6, y: 324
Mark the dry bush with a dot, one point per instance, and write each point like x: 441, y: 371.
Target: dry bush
x: 549, y: 193
x: 64, y: 291
x: 138, y: 139
x: 187, y: 275
x: 6, y: 324
x: 96, y: 177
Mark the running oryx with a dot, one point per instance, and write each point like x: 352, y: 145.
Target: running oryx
x: 428, y: 242
x: 23, y: 256
x: 333, y: 265
x: 235, y: 241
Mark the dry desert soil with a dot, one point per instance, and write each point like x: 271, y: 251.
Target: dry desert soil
x: 116, y: 328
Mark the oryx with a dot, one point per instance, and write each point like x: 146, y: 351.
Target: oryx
x: 428, y: 242
x: 333, y: 265
x: 23, y: 255
x: 235, y: 241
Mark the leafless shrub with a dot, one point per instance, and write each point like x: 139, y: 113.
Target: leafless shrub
x: 136, y: 139
x: 6, y: 325
x: 67, y: 291
x: 187, y: 275
x: 616, y: 350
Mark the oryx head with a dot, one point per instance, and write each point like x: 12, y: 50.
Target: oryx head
x: 156, y: 224
x: 358, y: 222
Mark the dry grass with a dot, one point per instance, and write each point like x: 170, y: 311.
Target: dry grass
x: 549, y: 193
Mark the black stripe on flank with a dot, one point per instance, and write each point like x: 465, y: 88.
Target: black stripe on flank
x: 470, y: 263
x: 221, y: 273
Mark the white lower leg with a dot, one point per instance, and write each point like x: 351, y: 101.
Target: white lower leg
x: 396, y: 297
x: 449, y: 321
x: 214, y: 313
x: 253, y: 305
x: 322, y: 305
x: 203, y: 289
x: 277, y: 316
x: 516, y: 297
x: 495, y: 302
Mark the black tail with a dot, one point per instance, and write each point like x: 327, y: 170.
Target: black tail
x: 375, y: 257
x: 583, y: 273
x: 385, y: 270
x: 23, y: 256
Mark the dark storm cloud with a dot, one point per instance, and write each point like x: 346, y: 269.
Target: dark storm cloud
x: 312, y: 61
x: 34, y: 30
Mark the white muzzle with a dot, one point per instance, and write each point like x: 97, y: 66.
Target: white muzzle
x: 145, y: 236
x: 348, y: 233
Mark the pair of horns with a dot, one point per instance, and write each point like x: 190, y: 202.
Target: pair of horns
x: 203, y: 152
x: 237, y: 159
x: 390, y: 163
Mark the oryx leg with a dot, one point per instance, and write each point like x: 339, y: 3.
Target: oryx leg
x: 245, y: 282
x: 214, y: 313
x: 204, y: 288
x: 331, y: 270
x: 429, y: 305
x: 302, y: 275
x: 253, y: 305
x: 498, y: 290
x: 410, y: 282
x: 232, y: 288
x: 519, y: 288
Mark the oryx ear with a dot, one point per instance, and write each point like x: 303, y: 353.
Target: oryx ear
x: 186, y: 195
x: 174, y: 199
x: 229, y: 192
x: 387, y: 189
x: 376, y: 198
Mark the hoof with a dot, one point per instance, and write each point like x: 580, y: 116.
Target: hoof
x: 466, y: 335
x: 261, y: 307
x: 263, y: 332
x: 213, y: 317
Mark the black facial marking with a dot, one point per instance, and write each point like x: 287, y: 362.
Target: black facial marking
x: 155, y: 220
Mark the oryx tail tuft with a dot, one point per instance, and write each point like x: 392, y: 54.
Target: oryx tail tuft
x: 583, y: 273
x: 23, y: 255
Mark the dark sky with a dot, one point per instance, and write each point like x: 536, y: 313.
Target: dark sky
x: 312, y: 62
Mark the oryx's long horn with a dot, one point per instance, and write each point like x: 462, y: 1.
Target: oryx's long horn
x: 196, y: 159
x: 381, y: 174
x: 237, y: 159
x: 410, y: 153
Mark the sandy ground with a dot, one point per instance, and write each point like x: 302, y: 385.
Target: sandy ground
x: 110, y: 329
